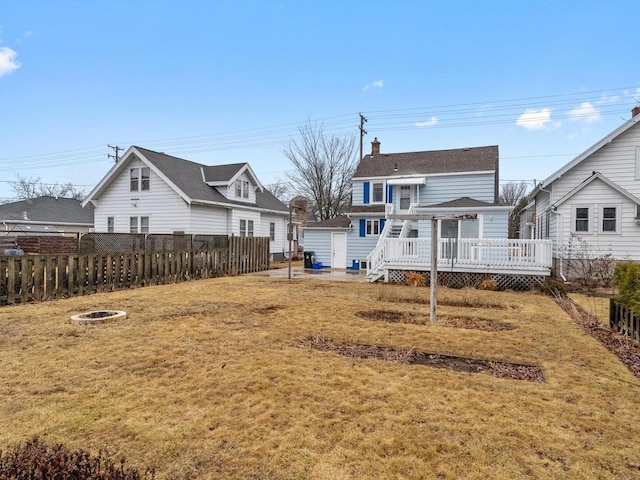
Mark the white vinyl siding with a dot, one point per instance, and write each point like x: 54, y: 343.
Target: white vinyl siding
x: 445, y: 188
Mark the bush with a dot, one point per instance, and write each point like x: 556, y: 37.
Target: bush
x: 488, y: 284
x: 553, y: 289
x: 35, y: 460
x: 416, y: 279
x: 627, y: 277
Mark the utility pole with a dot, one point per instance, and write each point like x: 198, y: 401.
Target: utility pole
x: 117, y: 151
x: 363, y: 132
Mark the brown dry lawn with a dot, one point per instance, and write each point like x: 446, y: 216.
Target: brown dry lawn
x: 207, y: 380
x: 596, y: 306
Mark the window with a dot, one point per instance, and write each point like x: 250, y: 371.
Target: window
x: 405, y: 197
x: 378, y: 192
x: 582, y: 219
x: 547, y: 224
x: 373, y: 227
x: 609, y: 215
x: 243, y: 228
x: 110, y: 224
x: 141, y: 222
x: 144, y: 224
x: 242, y: 188
x: 249, y: 228
x: 139, y: 179
x: 272, y: 231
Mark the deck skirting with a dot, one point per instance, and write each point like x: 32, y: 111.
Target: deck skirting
x: 459, y: 279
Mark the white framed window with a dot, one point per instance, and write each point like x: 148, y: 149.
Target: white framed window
x: 111, y: 224
x: 243, y: 228
x: 373, y: 227
x: 405, y: 197
x: 610, y: 218
x: 249, y: 228
x: 139, y: 179
x: 272, y: 231
x: 378, y: 192
x: 582, y: 219
x: 242, y: 188
x: 547, y: 224
x: 138, y: 224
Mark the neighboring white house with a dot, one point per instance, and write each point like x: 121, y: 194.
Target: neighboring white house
x: 45, y: 216
x: 595, y: 198
x: 151, y: 192
x: 442, y: 183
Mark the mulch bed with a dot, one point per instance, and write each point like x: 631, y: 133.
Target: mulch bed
x: 626, y: 350
x: 497, y: 369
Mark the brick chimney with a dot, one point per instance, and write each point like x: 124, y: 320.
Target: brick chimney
x: 375, y: 147
x: 635, y: 111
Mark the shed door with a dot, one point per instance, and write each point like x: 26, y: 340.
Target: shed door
x: 339, y: 250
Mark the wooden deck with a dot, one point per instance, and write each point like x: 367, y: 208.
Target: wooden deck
x: 470, y: 255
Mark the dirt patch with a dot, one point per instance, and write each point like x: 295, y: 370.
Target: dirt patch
x: 497, y: 369
x: 626, y: 350
x: 471, y: 323
x: 394, y: 316
x: 267, y: 310
x: 475, y: 323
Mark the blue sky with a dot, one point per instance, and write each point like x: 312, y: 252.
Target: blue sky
x: 231, y: 81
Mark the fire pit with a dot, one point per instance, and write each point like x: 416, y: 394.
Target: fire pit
x: 98, y: 316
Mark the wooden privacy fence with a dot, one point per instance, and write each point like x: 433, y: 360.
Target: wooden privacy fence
x: 624, y: 321
x: 43, y: 277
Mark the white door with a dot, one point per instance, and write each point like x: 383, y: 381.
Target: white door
x: 338, y: 250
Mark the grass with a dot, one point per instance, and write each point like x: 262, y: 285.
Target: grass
x: 206, y: 380
x: 596, y: 306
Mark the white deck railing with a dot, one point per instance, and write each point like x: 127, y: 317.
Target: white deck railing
x: 466, y: 253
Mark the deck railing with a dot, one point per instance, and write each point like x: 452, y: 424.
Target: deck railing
x: 465, y: 253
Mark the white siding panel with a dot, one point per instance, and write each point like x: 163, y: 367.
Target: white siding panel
x: 319, y: 242
x: 450, y: 187
x: 357, y: 193
x: 280, y: 244
x: 208, y: 220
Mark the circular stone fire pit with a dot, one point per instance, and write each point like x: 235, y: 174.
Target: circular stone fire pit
x: 98, y: 316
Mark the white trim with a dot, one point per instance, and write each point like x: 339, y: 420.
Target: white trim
x: 239, y: 207
x: 606, y: 181
x: 40, y: 222
x: 407, y: 181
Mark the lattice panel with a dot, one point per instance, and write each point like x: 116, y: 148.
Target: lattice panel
x: 472, y: 280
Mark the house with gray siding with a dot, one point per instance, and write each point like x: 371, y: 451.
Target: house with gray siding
x: 593, y: 202
x: 152, y: 192
x: 457, y: 189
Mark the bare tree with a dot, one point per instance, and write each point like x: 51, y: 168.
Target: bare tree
x: 32, y: 187
x: 323, y: 166
x: 514, y: 194
x: 281, y: 190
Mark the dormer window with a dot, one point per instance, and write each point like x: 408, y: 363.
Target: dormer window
x: 242, y: 189
x: 139, y: 179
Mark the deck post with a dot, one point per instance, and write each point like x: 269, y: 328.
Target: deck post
x: 434, y: 271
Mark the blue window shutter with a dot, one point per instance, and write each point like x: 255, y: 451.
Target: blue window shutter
x: 365, y: 198
x: 389, y: 196
x: 363, y: 226
x: 382, y: 220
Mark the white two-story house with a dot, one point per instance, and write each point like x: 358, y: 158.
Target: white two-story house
x: 151, y: 192
x: 441, y: 183
x: 592, y: 201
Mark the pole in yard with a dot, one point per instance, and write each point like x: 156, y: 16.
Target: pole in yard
x: 434, y: 271
x: 290, y: 234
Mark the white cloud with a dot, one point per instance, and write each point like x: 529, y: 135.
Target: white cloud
x: 429, y: 123
x: 534, y: 119
x: 376, y: 84
x: 586, y: 112
x: 8, y: 61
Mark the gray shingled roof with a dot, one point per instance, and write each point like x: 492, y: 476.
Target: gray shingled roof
x: 463, y: 202
x: 474, y: 159
x: 366, y: 208
x: 187, y: 176
x: 221, y: 173
x: 338, y: 222
x: 48, y: 209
